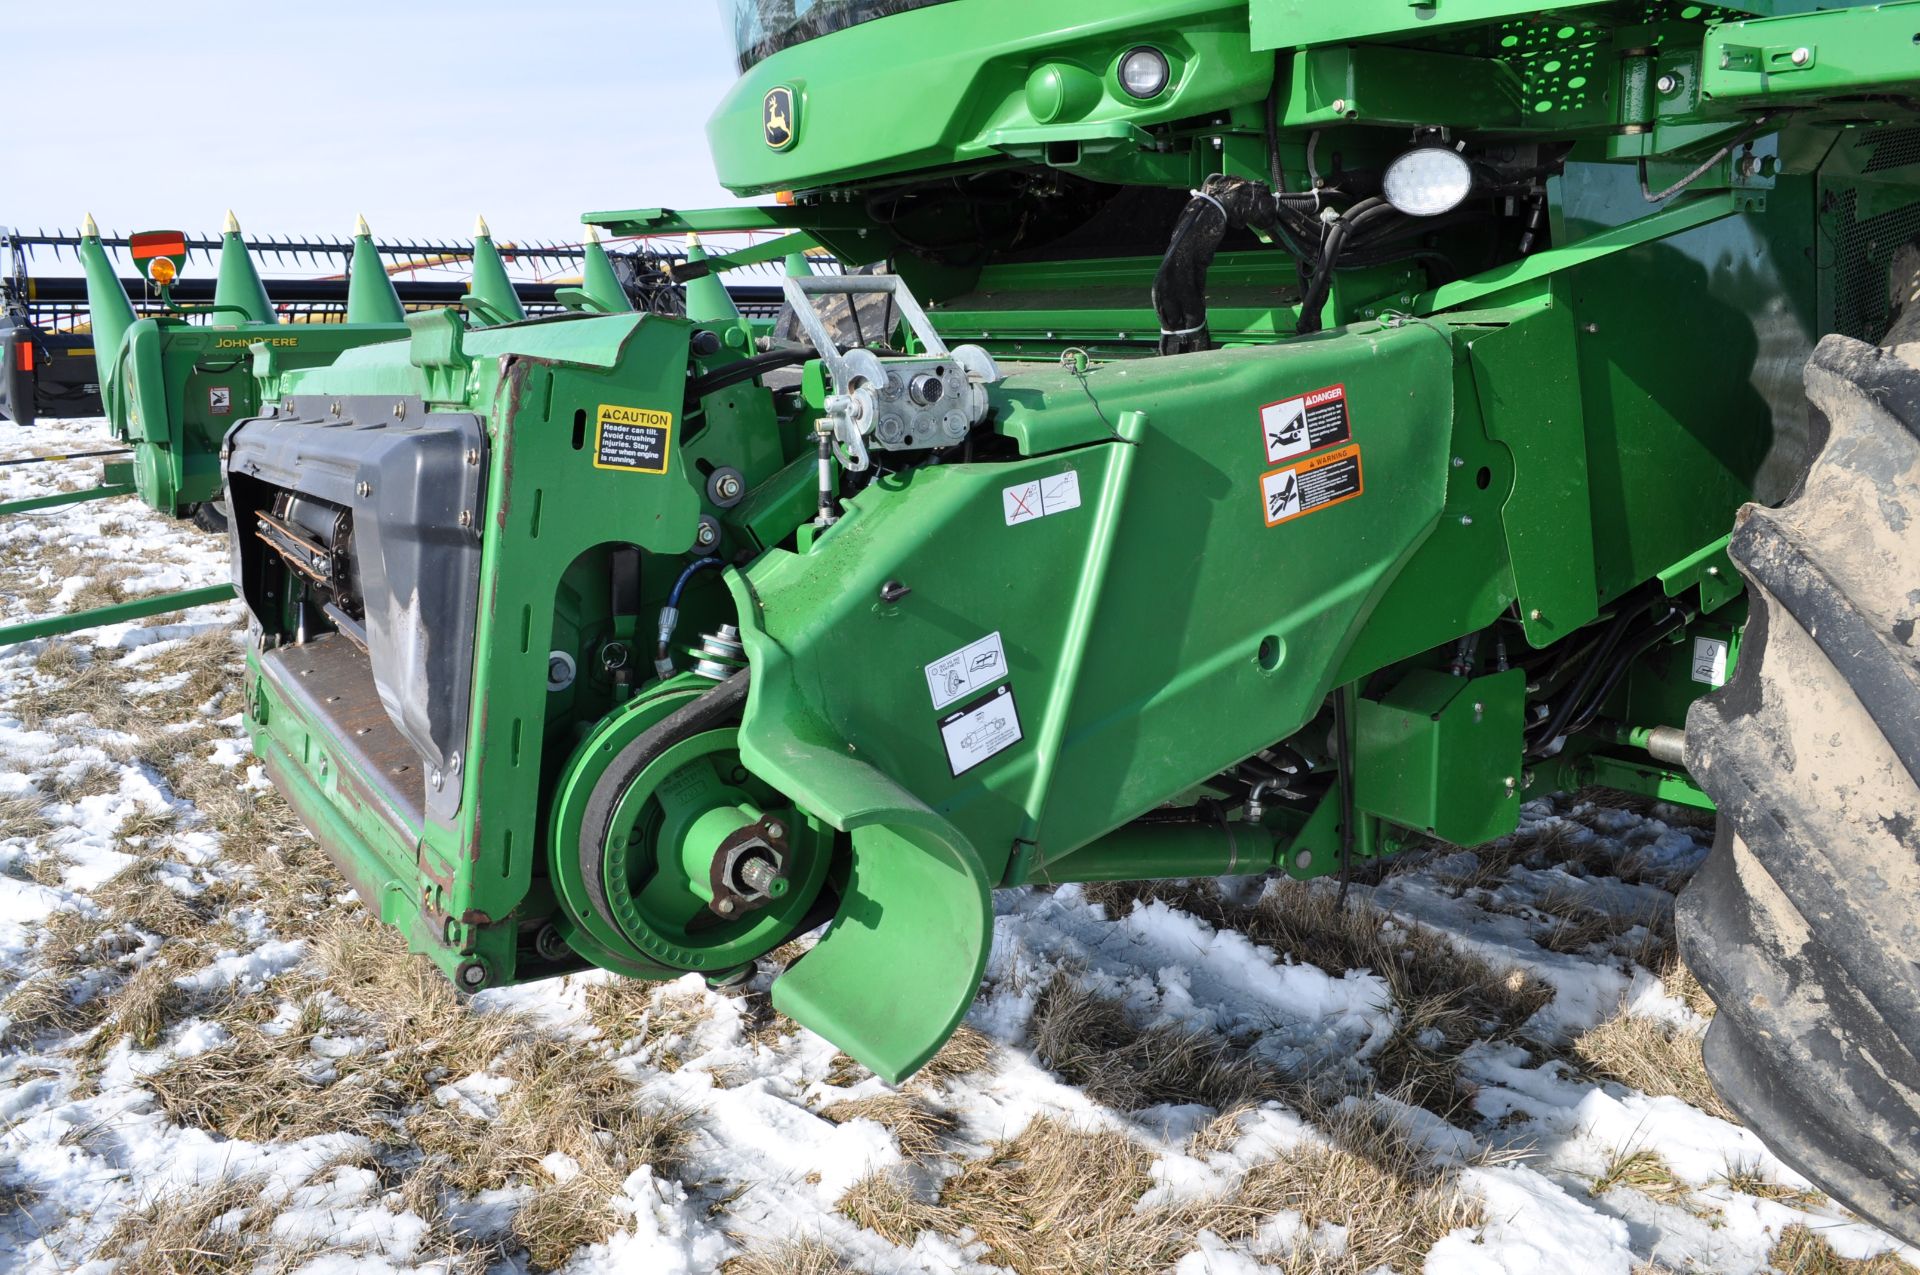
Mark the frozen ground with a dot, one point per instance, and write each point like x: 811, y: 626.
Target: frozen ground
x: 210, y: 1062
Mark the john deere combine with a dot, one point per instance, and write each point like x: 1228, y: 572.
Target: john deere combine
x: 1267, y: 433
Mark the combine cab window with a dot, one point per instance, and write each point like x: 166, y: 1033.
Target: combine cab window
x: 762, y: 28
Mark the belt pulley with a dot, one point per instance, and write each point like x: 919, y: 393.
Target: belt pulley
x: 668, y: 855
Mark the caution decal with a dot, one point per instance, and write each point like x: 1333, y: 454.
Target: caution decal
x: 1311, y: 485
x: 634, y: 439
x: 1295, y: 426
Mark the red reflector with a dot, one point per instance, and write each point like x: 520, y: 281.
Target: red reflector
x: 157, y: 243
x: 25, y: 358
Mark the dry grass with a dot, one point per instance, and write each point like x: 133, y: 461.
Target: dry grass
x: 1087, y: 1040
x: 140, y: 895
x: 1748, y: 1180
x: 917, y: 1125
x: 1800, y: 1250
x: 657, y: 1021
x: 23, y: 817
x: 142, y: 1009
x: 1062, y: 1199
x: 211, y: 662
x: 1447, y: 999
x: 106, y: 588
x: 885, y: 1203
x: 210, y: 1230
x: 46, y: 1002
x: 49, y: 868
x: 791, y: 1257
x: 258, y: 1087
x: 90, y: 780
x: 1653, y: 1057
x: 1643, y: 1170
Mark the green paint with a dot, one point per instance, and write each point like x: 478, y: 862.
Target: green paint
x: 119, y: 613
x: 1526, y: 444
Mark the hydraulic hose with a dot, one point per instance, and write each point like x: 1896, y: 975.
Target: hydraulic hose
x: 670, y: 614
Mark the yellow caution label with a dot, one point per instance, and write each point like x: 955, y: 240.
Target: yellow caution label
x: 634, y: 439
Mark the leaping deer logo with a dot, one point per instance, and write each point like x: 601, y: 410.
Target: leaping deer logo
x: 778, y: 117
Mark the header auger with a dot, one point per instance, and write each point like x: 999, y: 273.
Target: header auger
x: 1259, y: 436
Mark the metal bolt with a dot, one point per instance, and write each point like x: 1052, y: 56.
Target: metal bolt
x: 1534, y: 614
x: 1666, y: 84
x: 729, y: 486
x: 1590, y: 328
x: 400, y: 411
x: 1802, y: 56
x: 473, y: 974
x: 466, y: 517
x: 707, y: 534
x: 1303, y: 860
x: 775, y: 831
x: 893, y: 591
x: 557, y: 670
x: 724, y: 906
x: 1459, y: 461
x: 473, y: 455
x: 437, y: 779
x: 333, y: 408
x: 1339, y: 106
x: 1713, y: 571
x: 363, y: 490
x: 1466, y: 520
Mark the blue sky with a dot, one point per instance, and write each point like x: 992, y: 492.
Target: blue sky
x: 299, y: 115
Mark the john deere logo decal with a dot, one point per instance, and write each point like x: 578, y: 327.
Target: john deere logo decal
x: 777, y: 117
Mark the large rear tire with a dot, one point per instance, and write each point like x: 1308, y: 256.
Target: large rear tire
x: 1804, y: 925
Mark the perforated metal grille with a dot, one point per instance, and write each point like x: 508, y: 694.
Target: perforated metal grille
x: 1566, y: 65
x: 1894, y: 148
x: 1863, y: 256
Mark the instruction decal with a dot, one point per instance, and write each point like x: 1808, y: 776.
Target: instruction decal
x: 1296, y: 426
x: 1311, y: 485
x: 219, y: 400
x: 1041, y: 498
x: 634, y: 439
x: 985, y: 728
x: 973, y: 667
x: 1710, y: 661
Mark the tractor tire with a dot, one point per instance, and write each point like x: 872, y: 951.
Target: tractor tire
x: 211, y: 515
x: 1804, y: 923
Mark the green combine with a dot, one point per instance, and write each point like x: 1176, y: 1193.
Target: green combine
x: 1245, y: 436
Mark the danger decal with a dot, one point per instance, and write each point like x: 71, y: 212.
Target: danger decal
x: 634, y: 439
x: 1295, y: 426
x: 1311, y: 485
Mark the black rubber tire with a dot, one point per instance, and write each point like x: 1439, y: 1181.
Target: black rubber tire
x: 208, y: 517
x: 1804, y: 924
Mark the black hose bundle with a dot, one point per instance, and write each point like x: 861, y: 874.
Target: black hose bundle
x: 1180, y: 288
x: 1320, y: 240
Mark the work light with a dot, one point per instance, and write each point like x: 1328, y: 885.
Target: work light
x: 1144, y: 72
x: 1428, y: 181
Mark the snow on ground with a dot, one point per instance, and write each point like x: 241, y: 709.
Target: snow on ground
x: 120, y: 827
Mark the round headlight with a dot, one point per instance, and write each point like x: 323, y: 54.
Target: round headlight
x: 1144, y: 72
x: 1428, y: 181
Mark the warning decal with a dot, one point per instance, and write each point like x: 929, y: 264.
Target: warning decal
x: 987, y: 726
x: 973, y: 667
x: 1311, y: 485
x: 219, y: 400
x: 1054, y: 494
x: 635, y: 439
x: 1296, y: 426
